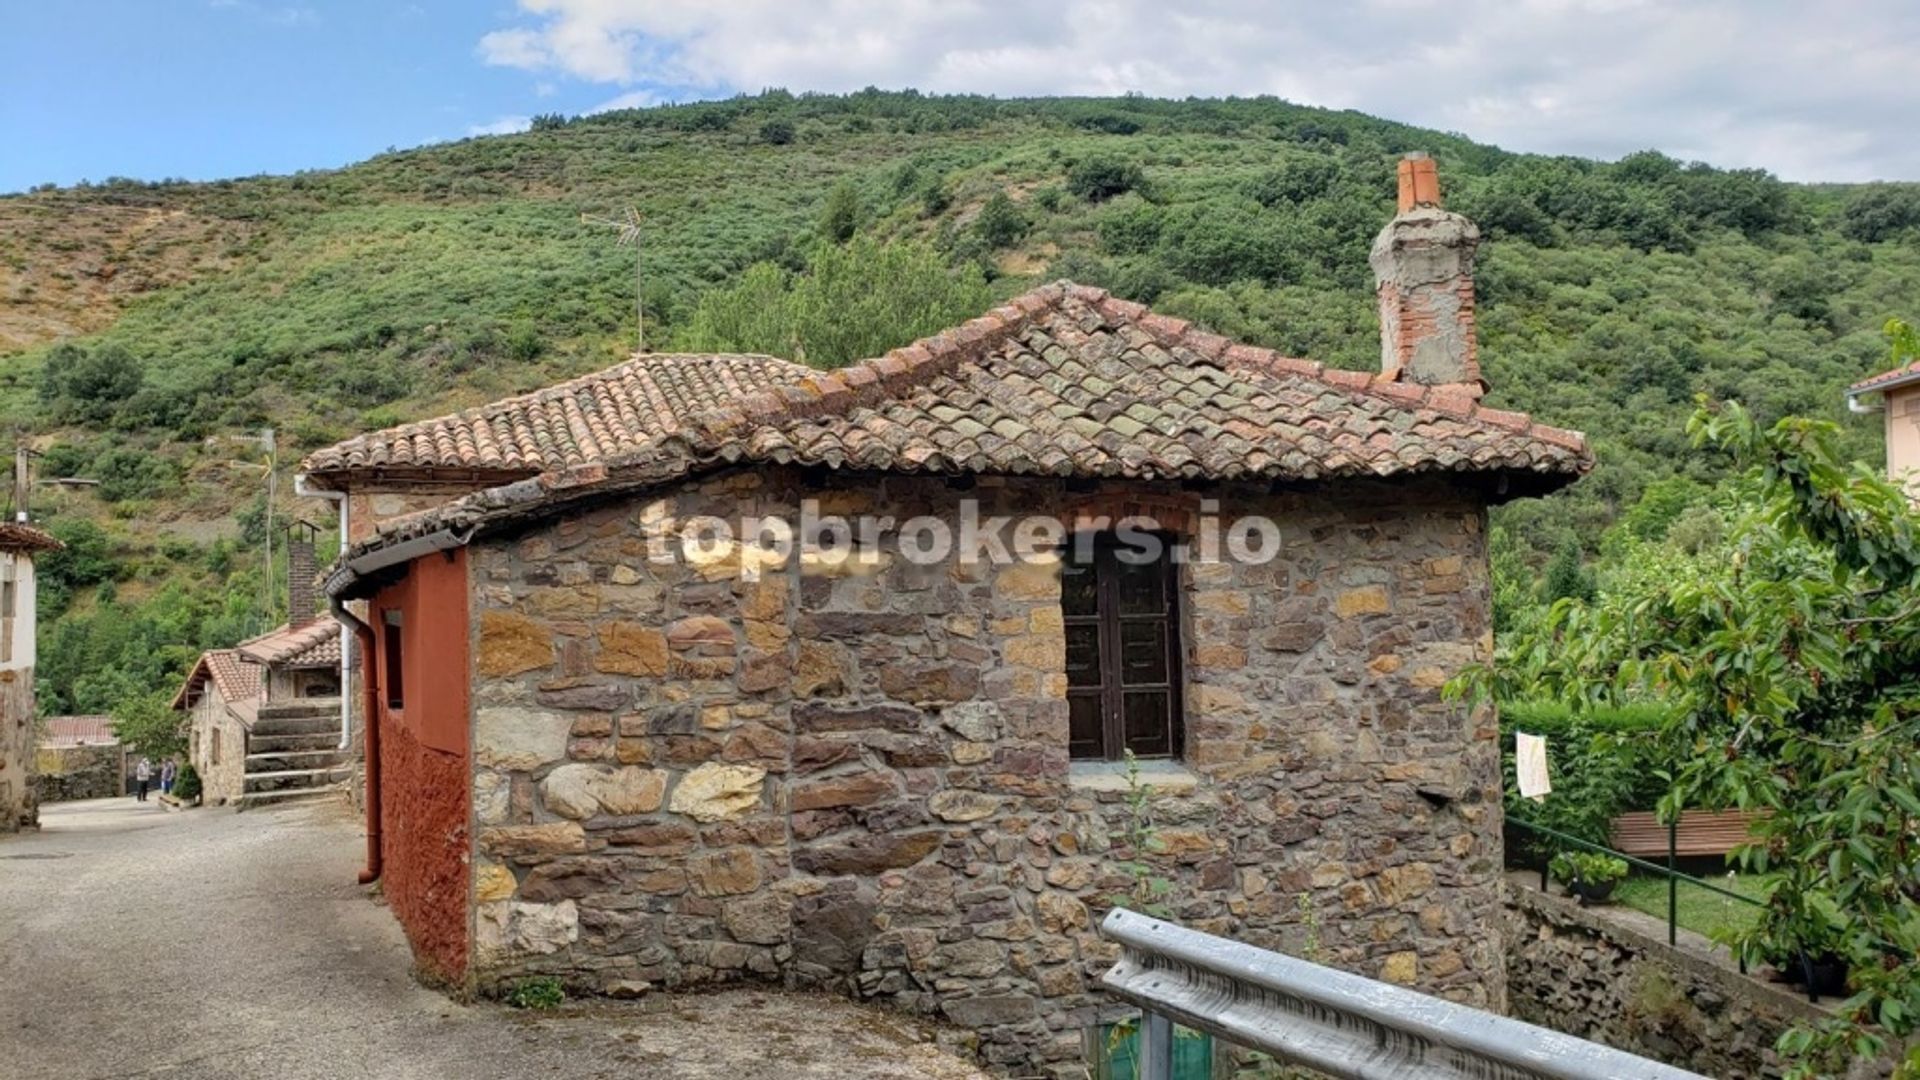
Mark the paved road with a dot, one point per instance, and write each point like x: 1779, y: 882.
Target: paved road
x: 208, y: 944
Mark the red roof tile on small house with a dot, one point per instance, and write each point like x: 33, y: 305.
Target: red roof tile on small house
x: 238, y: 682
x: 583, y: 420
x: 18, y: 536
x: 1063, y: 381
x: 64, y: 731
x: 315, y: 645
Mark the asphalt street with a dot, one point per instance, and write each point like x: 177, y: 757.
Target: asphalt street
x: 135, y: 941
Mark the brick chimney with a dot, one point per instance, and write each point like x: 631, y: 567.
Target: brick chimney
x: 1423, y: 269
x: 301, y: 572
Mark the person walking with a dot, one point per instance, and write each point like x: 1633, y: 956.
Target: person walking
x: 167, y: 772
x: 142, y: 776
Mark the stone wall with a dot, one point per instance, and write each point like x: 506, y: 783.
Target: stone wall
x: 1580, y: 973
x: 69, y: 773
x: 19, y: 801
x: 855, y: 774
x: 217, y: 746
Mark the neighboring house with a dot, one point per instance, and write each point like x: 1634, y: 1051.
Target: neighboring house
x: 79, y: 757
x: 222, y: 697
x: 266, y: 716
x: 1898, y: 392
x: 19, y: 543
x: 601, y: 754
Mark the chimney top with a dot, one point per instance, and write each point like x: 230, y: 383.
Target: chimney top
x: 1423, y: 272
x: 1419, y: 181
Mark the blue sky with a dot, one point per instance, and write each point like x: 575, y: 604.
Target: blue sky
x: 212, y: 88
x: 199, y: 89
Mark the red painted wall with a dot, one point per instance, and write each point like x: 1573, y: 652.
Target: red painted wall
x: 424, y: 798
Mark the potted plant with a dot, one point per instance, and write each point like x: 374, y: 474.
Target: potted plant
x: 1590, y: 876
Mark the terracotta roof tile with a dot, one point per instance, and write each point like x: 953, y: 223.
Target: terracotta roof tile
x: 583, y: 420
x: 239, y: 682
x: 18, y: 536
x: 315, y: 644
x: 1899, y: 374
x: 60, y: 731
x: 1063, y: 381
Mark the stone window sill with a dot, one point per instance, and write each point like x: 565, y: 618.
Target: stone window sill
x: 1164, y: 777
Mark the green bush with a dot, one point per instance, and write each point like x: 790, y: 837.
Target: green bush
x: 1591, y: 867
x: 1602, y: 763
x: 853, y: 302
x: 840, y: 215
x: 186, y: 783
x: 1000, y: 224
x: 1097, y: 179
x: 127, y: 472
x: 541, y: 993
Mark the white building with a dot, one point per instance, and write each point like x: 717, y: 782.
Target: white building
x: 19, y: 542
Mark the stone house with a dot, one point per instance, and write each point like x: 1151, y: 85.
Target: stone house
x: 616, y: 741
x: 19, y: 543
x: 79, y: 757
x: 221, y: 697
x: 264, y: 717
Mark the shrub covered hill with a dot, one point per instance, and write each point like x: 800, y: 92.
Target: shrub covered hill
x: 144, y: 328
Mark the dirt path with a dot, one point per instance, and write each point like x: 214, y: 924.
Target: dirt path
x: 137, y: 942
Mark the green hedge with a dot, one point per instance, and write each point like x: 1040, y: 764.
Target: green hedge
x: 1602, y: 762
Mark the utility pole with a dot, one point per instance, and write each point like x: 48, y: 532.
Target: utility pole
x: 628, y: 227
x: 268, y: 443
x: 21, y: 484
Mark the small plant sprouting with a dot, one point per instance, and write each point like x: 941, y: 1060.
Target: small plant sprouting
x: 1310, y: 944
x: 541, y: 992
x: 1149, y: 890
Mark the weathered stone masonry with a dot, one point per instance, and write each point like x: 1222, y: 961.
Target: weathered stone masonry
x: 855, y: 774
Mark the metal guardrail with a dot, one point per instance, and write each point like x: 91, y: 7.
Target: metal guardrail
x: 1333, y: 1022
x: 1670, y: 872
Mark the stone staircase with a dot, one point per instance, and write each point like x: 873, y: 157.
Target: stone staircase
x: 292, y: 753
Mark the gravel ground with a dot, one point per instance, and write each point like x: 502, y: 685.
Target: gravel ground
x: 135, y: 941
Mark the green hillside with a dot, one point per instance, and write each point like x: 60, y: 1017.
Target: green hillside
x: 330, y: 302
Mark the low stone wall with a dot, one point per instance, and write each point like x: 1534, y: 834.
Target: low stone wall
x: 1577, y: 972
x: 69, y: 773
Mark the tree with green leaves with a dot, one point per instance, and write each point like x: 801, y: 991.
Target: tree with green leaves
x: 1787, y: 657
x: 840, y: 215
x: 149, y: 724
x: 852, y: 302
x: 1567, y: 576
x: 1000, y: 224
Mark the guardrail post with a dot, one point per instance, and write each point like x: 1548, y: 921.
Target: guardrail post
x: 1673, y: 881
x: 1156, y: 1047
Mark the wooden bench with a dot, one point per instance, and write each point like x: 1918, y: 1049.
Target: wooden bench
x: 1701, y: 832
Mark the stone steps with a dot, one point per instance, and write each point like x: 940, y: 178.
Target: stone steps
x: 280, y: 779
x: 262, y: 798
x: 323, y: 723
x: 258, y: 744
x: 267, y: 761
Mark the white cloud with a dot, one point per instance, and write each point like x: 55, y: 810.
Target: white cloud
x: 632, y: 99
x: 506, y: 125
x: 1811, y: 91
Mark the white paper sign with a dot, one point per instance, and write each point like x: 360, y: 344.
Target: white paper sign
x: 1530, y: 763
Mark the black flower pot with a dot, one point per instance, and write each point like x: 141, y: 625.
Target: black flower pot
x: 1829, y: 972
x: 1592, y: 893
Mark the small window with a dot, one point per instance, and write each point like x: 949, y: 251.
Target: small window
x: 395, y: 669
x: 1121, y: 603
x: 213, y: 747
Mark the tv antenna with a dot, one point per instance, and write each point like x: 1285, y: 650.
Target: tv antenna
x: 628, y: 227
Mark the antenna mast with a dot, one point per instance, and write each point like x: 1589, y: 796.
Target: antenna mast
x: 628, y: 226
